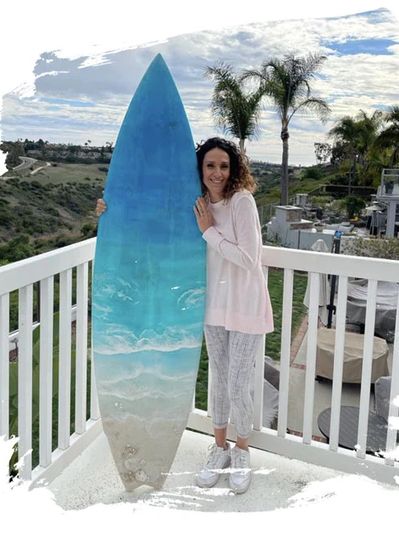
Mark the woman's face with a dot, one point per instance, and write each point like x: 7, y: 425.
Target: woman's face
x: 216, y: 172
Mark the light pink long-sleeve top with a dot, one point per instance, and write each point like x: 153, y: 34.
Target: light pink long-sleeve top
x: 237, y: 296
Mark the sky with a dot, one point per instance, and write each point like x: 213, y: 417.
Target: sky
x: 74, y: 94
x: 91, y: 29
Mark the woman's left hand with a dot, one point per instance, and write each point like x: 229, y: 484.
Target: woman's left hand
x: 203, y: 215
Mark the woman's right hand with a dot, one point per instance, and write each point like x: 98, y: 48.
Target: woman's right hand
x: 101, y: 206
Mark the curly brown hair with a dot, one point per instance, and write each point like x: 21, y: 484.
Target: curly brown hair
x: 240, y: 176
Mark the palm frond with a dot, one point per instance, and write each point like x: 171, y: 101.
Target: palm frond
x: 315, y: 105
x: 235, y: 110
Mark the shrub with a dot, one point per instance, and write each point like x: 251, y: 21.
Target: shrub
x: 17, y: 249
x: 354, y: 205
x: 320, y: 200
x: 383, y: 248
x: 88, y: 230
x: 312, y: 173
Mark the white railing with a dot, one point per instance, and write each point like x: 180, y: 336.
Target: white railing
x: 22, y: 275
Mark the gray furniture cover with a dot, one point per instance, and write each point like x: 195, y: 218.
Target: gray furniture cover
x: 353, y: 356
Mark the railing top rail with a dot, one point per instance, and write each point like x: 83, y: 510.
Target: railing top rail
x: 33, y: 269
x: 329, y: 263
x: 390, y: 172
x: 28, y: 271
x: 390, y: 176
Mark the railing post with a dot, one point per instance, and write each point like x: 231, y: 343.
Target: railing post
x: 4, y: 364
x: 338, y: 362
x: 259, y: 376
x: 311, y: 357
x: 81, y: 348
x: 64, y: 385
x: 25, y: 381
x: 285, y: 352
x: 394, y: 395
x: 94, y: 407
x: 46, y: 370
x: 366, y: 369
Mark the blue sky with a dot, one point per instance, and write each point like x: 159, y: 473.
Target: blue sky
x: 85, y: 97
x: 363, y: 46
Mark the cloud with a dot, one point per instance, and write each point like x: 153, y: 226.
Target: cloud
x: 89, y: 94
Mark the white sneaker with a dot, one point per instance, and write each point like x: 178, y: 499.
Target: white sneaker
x: 240, y: 472
x: 218, y: 459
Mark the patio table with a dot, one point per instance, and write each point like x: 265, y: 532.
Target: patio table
x: 349, y: 420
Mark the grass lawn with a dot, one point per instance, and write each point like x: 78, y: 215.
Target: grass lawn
x: 69, y: 173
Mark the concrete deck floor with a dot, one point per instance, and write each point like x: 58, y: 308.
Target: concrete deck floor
x: 92, y: 478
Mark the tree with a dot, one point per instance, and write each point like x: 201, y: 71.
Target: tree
x: 235, y: 110
x: 312, y: 173
x: 15, y: 150
x: 322, y: 152
x: 389, y: 137
x: 287, y: 83
x: 346, y: 132
x: 356, y: 137
x: 354, y: 205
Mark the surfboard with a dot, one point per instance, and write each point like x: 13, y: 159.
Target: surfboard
x: 148, y: 284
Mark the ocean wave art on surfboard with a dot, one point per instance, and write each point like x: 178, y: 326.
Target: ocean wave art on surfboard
x: 149, y: 284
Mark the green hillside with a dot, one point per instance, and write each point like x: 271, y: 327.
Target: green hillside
x: 52, y: 208
x: 55, y: 206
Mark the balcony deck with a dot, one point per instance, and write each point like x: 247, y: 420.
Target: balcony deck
x: 275, y: 481
x: 80, y: 472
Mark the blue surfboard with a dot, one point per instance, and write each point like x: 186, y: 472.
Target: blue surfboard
x: 149, y: 284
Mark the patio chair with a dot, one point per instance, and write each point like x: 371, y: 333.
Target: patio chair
x: 382, y: 393
x: 270, y: 394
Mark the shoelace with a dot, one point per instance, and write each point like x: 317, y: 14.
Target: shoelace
x: 240, y: 460
x: 214, y: 456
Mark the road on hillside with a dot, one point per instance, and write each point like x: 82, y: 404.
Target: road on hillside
x: 40, y: 168
x: 26, y: 163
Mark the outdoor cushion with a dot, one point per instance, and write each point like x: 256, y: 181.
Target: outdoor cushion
x: 270, y: 404
x: 271, y: 373
x: 270, y: 393
x: 382, y: 392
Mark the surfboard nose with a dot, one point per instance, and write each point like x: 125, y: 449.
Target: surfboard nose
x: 158, y: 64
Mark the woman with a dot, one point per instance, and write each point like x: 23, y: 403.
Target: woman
x: 238, y: 309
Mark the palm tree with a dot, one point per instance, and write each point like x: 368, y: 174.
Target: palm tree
x: 357, y: 137
x: 389, y: 137
x: 346, y: 132
x: 235, y: 110
x: 369, y: 128
x: 287, y: 82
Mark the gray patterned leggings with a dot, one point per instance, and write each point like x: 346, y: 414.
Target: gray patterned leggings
x: 231, y: 358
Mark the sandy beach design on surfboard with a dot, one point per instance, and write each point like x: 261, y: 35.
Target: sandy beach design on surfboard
x: 149, y: 284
